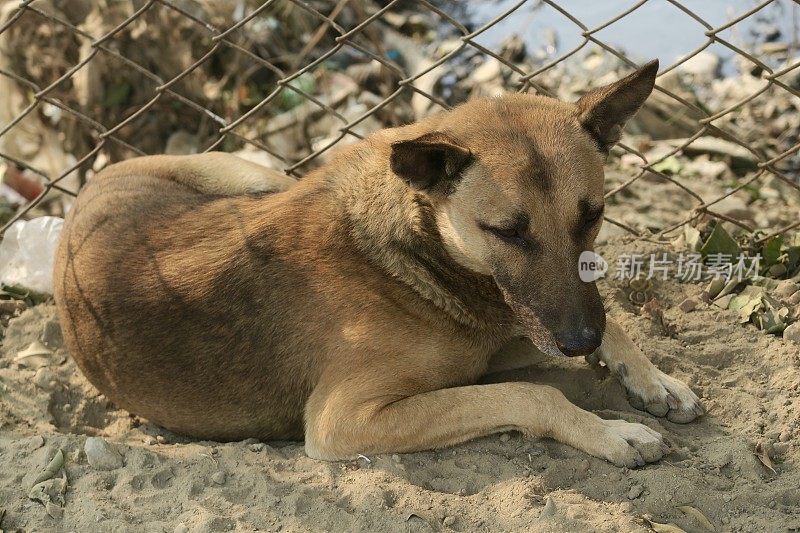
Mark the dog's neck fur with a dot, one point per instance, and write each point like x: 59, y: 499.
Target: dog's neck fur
x: 405, y: 243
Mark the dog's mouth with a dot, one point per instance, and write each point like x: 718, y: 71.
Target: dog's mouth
x: 533, y: 328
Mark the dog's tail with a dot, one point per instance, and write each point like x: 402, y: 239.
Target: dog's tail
x: 213, y: 173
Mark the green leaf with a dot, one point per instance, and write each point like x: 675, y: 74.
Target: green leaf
x: 720, y: 242
x: 771, y: 251
x: 117, y: 94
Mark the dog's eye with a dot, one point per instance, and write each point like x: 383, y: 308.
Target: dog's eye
x: 593, y: 216
x: 511, y: 235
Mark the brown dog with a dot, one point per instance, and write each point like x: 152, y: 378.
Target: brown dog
x: 358, y: 307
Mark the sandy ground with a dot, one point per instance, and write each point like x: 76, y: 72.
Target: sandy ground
x: 750, y: 382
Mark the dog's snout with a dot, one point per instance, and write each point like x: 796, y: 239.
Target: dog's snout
x: 579, y: 341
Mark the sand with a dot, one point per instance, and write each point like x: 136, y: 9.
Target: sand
x: 750, y: 383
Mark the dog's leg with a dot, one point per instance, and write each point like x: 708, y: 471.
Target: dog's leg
x: 339, y: 425
x: 649, y: 389
x: 208, y: 173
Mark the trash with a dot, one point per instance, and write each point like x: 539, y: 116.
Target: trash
x: 27, y: 252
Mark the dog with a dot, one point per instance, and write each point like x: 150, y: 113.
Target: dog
x: 358, y: 307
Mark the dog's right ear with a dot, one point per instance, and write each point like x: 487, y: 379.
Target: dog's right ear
x: 605, y: 110
x: 429, y: 159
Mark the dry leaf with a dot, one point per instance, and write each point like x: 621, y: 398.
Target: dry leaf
x: 699, y: 517
x: 662, y: 528
x: 763, y: 456
x: 52, y: 468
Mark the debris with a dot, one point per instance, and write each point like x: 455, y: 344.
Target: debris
x: 52, y: 468
x: 549, y: 508
x: 792, y: 332
x: 52, y: 490
x: 27, y: 252
x: 635, y: 491
x: 655, y: 311
x: 53, y: 510
x: 762, y: 453
x: 688, y: 305
x: 101, y: 455
x: 698, y: 516
x: 659, y: 527
x: 36, y: 356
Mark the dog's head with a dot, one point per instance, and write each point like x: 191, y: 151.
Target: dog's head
x: 517, y: 186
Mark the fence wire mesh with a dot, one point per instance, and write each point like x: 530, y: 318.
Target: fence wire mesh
x: 284, y: 82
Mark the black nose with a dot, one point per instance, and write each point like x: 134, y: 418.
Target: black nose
x: 580, y: 341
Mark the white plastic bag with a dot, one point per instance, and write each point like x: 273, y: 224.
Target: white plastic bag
x: 27, y: 252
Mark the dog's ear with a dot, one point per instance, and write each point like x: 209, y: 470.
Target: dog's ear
x: 604, y: 111
x: 429, y: 159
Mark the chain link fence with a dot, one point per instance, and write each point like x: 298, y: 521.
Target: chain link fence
x: 283, y: 82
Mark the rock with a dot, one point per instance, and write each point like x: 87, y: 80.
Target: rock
x: 218, y: 478
x: 688, y: 305
x: 150, y: 441
x: 786, y: 288
x: 449, y: 521
x: 101, y: 455
x: 792, y: 333
x: 396, y: 458
x: 504, y: 437
x: 51, y: 334
x: 794, y: 299
x: 549, y: 508
x: 54, y: 511
x: 34, y: 443
x: 257, y: 447
x: 785, y: 436
x: 181, y: 528
x: 45, y: 379
x: 635, y: 492
x: 780, y: 448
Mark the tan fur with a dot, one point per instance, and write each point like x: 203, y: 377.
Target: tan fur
x: 358, y: 308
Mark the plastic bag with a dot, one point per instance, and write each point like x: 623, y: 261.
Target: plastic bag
x: 27, y: 252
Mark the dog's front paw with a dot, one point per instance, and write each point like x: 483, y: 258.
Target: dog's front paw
x: 661, y: 395
x: 628, y: 444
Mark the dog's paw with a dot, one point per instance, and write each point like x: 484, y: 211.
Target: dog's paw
x: 629, y: 444
x: 661, y: 395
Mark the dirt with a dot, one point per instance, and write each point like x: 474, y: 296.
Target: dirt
x: 750, y: 383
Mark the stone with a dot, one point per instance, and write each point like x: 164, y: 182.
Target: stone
x: 635, y: 491
x: 688, y: 305
x: 218, y: 478
x: 792, y: 333
x: 786, y: 288
x: 101, y: 455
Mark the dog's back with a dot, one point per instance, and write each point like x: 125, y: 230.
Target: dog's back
x: 152, y: 278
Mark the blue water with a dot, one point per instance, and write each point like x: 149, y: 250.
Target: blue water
x: 657, y: 29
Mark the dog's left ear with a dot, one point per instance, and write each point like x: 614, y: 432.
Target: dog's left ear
x: 426, y: 161
x: 605, y: 110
